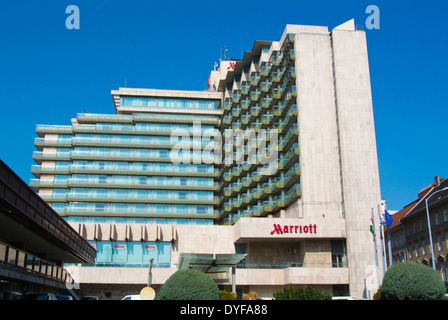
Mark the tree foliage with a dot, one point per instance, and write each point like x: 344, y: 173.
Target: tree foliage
x: 189, y: 285
x: 294, y: 293
x: 412, y: 281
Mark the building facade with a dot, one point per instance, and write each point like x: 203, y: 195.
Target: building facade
x: 411, y: 234
x: 35, y: 242
x: 267, y: 178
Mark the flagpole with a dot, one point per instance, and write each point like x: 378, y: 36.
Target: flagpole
x: 389, y: 247
x: 383, y: 252
x: 376, y: 251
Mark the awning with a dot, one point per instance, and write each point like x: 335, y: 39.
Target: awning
x: 209, y: 263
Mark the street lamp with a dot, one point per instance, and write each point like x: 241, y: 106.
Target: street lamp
x: 429, y: 227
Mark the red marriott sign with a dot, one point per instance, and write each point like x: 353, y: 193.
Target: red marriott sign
x: 312, y: 228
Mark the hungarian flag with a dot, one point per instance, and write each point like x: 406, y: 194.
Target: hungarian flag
x: 372, y: 230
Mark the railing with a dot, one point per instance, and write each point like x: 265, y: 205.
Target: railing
x: 290, y: 264
x: 26, y: 262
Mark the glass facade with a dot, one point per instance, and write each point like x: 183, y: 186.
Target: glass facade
x: 119, y: 168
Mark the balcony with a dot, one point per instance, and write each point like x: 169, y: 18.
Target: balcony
x: 245, y: 89
x: 236, y: 125
x: 228, y: 206
x: 279, y: 109
x: 246, y: 164
x: 276, y: 58
x: 257, y: 193
x: 245, y: 104
x: 277, y: 93
x: 269, y: 205
x: 245, y: 118
x: 258, y: 210
x: 277, y: 76
x: 255, y: 95
x: 296, y: 149
x: 236, y: 112
x: 237, y: 171
x: 266, y: 102
x: 256, y: 176
x: 228, y: 105
x: 265, y: 69
x: 266, y: 118
x: 269, y: 187
x: 292, y: 93
x: 265, y: 86
x: 293, y: 112
x: 228, y: 191
x: 247, y: 181
x: 237, y: 202
x: 228, y: 175
x: 292, y: 55
x: 292, y: 72
x: 236, y: 96
x: 254, y: 80
x: 255, y: 111
x: 227, y: 119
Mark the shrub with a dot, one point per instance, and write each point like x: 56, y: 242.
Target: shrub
x: 412, y: 281
x: 377, y: 295
x: 227, y: 295
x: 189, y: 285
x: 308, y: 293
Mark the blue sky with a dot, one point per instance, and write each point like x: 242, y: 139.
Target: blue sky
x: 48, y: 73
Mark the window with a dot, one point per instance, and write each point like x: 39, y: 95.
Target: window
x: 440, y: 242
x: 104, y: 252
x: 119, y: 252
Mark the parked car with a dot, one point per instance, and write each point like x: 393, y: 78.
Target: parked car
x: 132, y: 297
x: 89, y: 298
x: 39, y: 296
x: 63, y: 297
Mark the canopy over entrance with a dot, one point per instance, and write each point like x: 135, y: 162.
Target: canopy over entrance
x: 209, y: 263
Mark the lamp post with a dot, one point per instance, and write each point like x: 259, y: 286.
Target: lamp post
x: 429, y: 228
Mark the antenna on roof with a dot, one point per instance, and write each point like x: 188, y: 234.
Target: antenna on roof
x: 223, y: 53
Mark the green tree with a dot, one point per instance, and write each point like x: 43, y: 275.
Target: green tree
x: 189, y: 285
x: 412, y: 281
x: 294, y: 293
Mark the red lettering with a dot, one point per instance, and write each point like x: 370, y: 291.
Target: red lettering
x: 277, y: 229
x: 232, y: 65
x: 294, y: 228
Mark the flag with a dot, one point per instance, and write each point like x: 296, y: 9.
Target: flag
x: 388, y: 218
x: 382, y: 219
x: 372, y: 230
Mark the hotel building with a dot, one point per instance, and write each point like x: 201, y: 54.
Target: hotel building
x: 268, y: 178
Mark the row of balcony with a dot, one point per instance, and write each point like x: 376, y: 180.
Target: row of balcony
x: 253, y: 161
x: 254, y: 188
x: 138, y: 142
x: 135, y: 198
x: 244, y: 206
x: 74, y: 182
x: 132, y: 155
x: 258, y: 118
